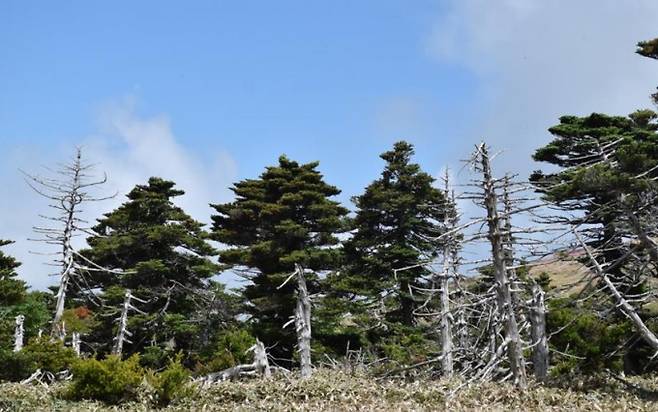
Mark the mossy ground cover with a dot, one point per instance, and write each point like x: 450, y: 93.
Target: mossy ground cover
x: 333, y: 390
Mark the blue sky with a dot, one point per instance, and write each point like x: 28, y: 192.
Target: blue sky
x: 208, y: 92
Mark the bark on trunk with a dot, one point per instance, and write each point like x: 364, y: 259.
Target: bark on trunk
x: 75, y: 343
x: 303, y: 324
x: 122, y: 331
x: 538, y: 334
x: 19, y: 333
x: 446, y: 329
x: 503, y: 292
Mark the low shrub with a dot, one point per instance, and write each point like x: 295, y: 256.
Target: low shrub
x: 41, y: 353
x: 230, y: 349
x: 171, y: 383
x: 110, y: 380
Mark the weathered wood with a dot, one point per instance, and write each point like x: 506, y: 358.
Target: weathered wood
x: 538, y: 336
x: 503, y: 291
x: 19, y: 333
x: 122, y: 332
x: 449, y: 223
x: 303, y: 324
x: 66, y: 195
x: 75, y: 342
x: 446, y: 329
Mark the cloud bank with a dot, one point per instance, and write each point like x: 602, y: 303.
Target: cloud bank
x: 538, y: 60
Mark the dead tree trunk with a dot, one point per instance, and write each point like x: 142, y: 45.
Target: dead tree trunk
x: 446, y: 329
x: 449, y: 252
x: 19, y: 333
x: 261, y: 363
x: 66, y: 195
x: 538, y: 334
x: 122, y: 332
x: 503, y: 290
x: 75, y: 343
x: 72, y: 200
x: 303, y: 323
x: 62, y: 331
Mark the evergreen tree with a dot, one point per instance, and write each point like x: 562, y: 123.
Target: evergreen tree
x: 12, y: 290
x: 16, y: 300
x: 396, y: 218
x: 649, y: 49
x: 587, y: 179
x: 152, y: 247
x: 282, y: 218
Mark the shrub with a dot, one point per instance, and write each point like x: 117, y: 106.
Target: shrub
x: 229, y: 350
x: 592, y: 341
x: 110, y: 380
x: 16, y: 366
x: 171, y: 382
x: 155, y: 357
x: 405, y: 345
x: 41, y: 353
x: 50, y: 355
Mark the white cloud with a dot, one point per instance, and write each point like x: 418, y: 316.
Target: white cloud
x: 130, y: 148
x: 538, y: 60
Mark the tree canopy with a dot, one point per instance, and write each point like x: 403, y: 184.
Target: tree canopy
x: 284, y: 217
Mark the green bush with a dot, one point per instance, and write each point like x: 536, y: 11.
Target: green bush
x: 110, y: 380
x: 171, y: 383
x: 16, y: 366
x: 592, y: 342
x: 229, y: 350
x: 50, y: 355
x: 40, y: 353
x: 155, y: 357
x: 405, y: 345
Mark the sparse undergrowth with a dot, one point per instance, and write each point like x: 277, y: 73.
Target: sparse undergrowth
x: 331, y: 390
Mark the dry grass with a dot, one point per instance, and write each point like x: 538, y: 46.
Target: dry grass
x: 331, y: 390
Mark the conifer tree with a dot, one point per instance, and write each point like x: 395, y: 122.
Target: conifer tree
x: 600, y: 159
x: 12, y: 290
x: 160, y: 253
x: 283, y: 218
x: 649, y: 48
x: 16, y: 300
x: 396, y: 218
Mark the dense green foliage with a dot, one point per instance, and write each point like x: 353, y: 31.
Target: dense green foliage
x: 396, y: 218
x: 40, y: 353
x: 171, y: 382
x: 282, y: 218
x: 228, y: 349
x: 110, y: 380
x: 158, y: 252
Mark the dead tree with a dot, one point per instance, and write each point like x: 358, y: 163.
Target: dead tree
x: 512, y: 336
x: 302, y: 321
x: 449, y: 274
x: 122, y: 331
x: 67, y: 193
x: 75, y: 342
x: 19, y: 333
x: 539, y: 340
